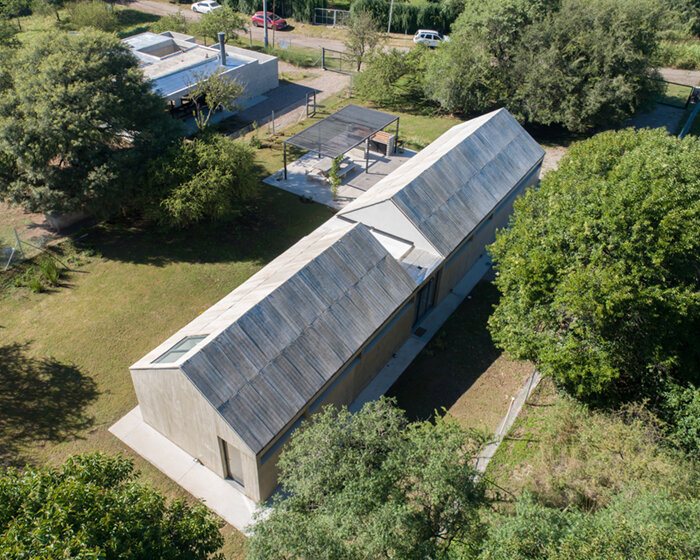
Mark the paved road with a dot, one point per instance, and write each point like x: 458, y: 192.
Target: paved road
x: 164, y: 9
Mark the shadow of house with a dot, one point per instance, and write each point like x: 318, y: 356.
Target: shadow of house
x: 41, y: 399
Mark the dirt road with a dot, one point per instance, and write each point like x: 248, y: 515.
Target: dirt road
x: 164, y: 9
x: 689, y: 77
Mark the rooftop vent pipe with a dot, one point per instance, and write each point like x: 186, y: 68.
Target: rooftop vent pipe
x: 222, y: 48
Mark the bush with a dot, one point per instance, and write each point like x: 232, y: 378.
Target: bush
x: 681, y: 409
x: 679, y: 54
x: 210, y: 177
x: 408, y: 17
x: 50, y: 271
x: 633, y: 526
x: 173, y: 22
x: 95, y: 14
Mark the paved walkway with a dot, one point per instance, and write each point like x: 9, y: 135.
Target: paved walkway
x: 219, y: 495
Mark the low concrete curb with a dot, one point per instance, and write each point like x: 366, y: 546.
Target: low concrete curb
x: 507, y: 423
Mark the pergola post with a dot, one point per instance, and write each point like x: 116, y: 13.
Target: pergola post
x: 367, y: 155
x: 285, y: 160
x: 396, y: 140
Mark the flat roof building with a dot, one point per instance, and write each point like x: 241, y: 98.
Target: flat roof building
x: 175, y: 63
x: 318, y: 323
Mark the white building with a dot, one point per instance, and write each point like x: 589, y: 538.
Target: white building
x: 175, y: 63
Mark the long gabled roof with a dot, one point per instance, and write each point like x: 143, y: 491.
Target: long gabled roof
x: 454, y: 183
x: 293, y: 325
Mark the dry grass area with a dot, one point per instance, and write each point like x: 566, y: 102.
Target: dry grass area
x: 462, y: 371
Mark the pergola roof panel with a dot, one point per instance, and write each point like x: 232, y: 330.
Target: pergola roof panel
x: 341, y: 131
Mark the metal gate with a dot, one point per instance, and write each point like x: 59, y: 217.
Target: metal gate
x: 323, y: 16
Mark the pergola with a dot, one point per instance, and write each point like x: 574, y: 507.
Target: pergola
x: 342, y: 131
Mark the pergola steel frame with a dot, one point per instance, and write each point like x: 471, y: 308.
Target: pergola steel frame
x: 342, y: 131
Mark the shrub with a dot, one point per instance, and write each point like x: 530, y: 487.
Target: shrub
x: 211, y: 177
x: 172, y: 22
x: 681, y: 409
x: 95, y: 14
x: 679, y: 54
x: 50, y: 271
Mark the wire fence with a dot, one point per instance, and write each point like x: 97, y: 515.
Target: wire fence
x: 277, y: 119
x: 338, y: 61
x: 324, y: 16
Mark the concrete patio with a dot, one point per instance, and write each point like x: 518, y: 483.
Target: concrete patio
x: 301, y: 181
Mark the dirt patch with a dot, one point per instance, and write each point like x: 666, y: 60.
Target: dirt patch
x: 552, y: 157
x: 31, y: 227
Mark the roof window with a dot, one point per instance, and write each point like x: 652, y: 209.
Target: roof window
x: 179, y: 350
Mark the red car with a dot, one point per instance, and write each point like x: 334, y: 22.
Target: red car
x: 273, y: 20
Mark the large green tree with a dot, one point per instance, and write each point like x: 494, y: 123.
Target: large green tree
x: 370, y: 485
x: 588, y: 64
x: 599, y: 269
x: 576, y: 63
x: 94, y: 507
x: 77, y: 122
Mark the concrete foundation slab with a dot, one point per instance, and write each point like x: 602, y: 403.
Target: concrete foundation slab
x: 221, y: 496
x: 302, y: 182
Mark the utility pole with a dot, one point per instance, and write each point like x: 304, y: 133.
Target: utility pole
x: 391, y: 11
x: 265, y: 22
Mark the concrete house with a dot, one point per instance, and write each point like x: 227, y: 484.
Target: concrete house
x: 318, y: 323
x: 175, y: 62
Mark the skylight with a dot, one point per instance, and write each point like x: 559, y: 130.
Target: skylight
x: 179, y: 350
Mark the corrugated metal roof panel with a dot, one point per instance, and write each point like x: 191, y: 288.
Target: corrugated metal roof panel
x: 302, y: 323
x: 453, y: 184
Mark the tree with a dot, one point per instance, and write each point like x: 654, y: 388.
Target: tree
x: 362, y: 37
x: 211, y: 177
x: 15, y: 9
x: 211, y: 93
x: 370, y: 485
x: 224, y: 20
x: 573, y: 63
x: 77, y: 122
x: 94, y: 507
x: 598, y: 272
x: 394, y: 78
x: 588, y: 64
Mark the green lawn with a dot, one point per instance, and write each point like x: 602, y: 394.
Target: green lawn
x: 675, y: 95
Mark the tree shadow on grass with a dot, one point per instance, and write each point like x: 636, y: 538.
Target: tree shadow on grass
x: 461, y: 351
x: 270, y: 224
x: 41, y: 399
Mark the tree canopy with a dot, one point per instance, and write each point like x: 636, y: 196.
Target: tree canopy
x: 598, y: 272
x: 94, y: 507
x: 575, y: 63
x: 370, y: 485
x: 77, y: 121
x: 210, y: 177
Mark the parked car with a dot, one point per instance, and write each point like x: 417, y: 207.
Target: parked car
x: 430, y: 37
x: 273, y: 20
x: 205, y: 7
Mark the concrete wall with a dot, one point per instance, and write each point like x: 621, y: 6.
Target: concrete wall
x: 259, y: 76
x: 471, y: 249
x: 171, y: 404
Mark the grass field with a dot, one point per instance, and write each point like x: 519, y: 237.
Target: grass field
x: 676, y: 95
